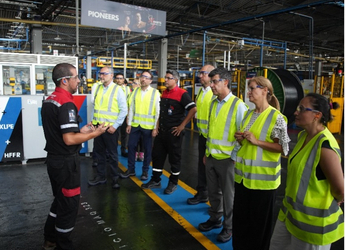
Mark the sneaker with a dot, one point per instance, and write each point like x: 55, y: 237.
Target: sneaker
x: 198, y: 198
x: 209, y: 225
x: 225, y: 235
x: 170, y: 188
x: 144, y: 176
x: 127, y: 174
x: 97, y: 180
x: 115, y: 183
x: 140, y: 156
x: 48, y: 245
x: 151, y: 184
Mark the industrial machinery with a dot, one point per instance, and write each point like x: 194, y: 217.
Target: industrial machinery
x: 287, y: 89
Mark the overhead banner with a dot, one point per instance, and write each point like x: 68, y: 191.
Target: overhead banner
x: 125, y: 17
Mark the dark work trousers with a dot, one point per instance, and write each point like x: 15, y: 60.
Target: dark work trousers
x: 166, y: 143
x: 220, y: 178
x: 202, y: 178
x: 109, y: 142
x: 64, y: 175
x: 252, y: 218
x: 140, y: 146
x: 123, y: 136
x: 134, y: 137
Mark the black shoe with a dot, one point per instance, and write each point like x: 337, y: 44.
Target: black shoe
x: 144, y: 176
x: 47, y: 245
x: 209, y: 225
x: 151, y: 184
x: 127, y: 174
x: 94, y: 165
x: 225, y: 235
x: 97, y: 180
x: 170, y: 188
x: 198, y: 198
x: 115, y: 183
x: 124, y: 154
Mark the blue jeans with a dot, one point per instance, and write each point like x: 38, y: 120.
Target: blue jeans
x: 135, y: 135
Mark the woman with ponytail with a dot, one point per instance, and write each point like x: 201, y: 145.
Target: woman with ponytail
x: 263, y: 138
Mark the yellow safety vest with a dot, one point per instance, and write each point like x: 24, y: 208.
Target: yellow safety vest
x: 203, y: 108
x: 221, y: 129
x: 126, y: 90
x: 256, y: 167
x: 309, y: 210
x: 106, y: 107
x: 144, y: 110
x: 129, y: 100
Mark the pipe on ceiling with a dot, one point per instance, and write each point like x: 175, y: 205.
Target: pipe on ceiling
x: 275, y: 50
x: 11, y: 20
x: 303, y: 6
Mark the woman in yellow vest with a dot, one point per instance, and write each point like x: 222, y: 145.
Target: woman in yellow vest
x: 263, y: 136
x: 311, y: 217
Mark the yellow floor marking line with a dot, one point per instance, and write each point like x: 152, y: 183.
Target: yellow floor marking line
x: 201, y: 238
x: 183, y: 185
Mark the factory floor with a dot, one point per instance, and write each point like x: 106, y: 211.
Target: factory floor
x: 128, y: 218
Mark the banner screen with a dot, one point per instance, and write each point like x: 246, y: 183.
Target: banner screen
x: 125, y: 17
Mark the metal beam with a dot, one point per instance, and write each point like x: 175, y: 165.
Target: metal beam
x: 286, y: 10
x: 11, y: 20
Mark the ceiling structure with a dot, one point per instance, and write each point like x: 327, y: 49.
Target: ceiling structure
x: 222, y: 25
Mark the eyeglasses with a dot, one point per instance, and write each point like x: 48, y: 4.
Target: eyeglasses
x: 146, y: 77
x: 250, y: 89
x: 215, y: 81
x: 119, y: 78
x: 302, y: 109
x: 104, y: 73
x: 203, y: 72
x: 169, y: 78
x: 68, y: 77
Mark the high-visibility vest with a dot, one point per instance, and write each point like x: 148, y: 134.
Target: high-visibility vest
x: 93, y: 91
x: 203, y: 108
x: 144, y: 110
x: 126, y: 90
x: 309, y: 210
x: 256, y: 167
x: 106, y: 107
x: 129, y: 100
x: 221, y: 129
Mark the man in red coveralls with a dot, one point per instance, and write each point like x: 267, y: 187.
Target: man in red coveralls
x: 174, y: 102
x: 60, y: 122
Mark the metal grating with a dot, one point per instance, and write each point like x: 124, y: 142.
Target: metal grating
x: 48, y: 59
x: 18, y: 58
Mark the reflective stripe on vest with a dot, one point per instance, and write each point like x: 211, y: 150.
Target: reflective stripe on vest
x: 327, y: 226
x: 224, y: 142
x: 126, y: 90
x: 303, y: 187
x: 203, y: 111
x: 259, y: 162
x: 99, y: 113
x: 147, y: 121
